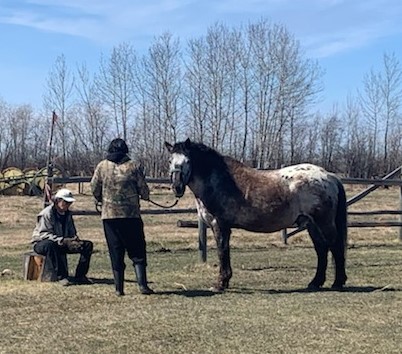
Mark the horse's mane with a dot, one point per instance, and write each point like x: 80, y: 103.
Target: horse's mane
x: 210, y: 157
x: 196, y: 151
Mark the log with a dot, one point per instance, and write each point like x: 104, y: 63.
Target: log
x: 187, y: 223
x: 375, y: 224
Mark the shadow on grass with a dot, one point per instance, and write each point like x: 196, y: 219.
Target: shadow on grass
x: 243, y: 290
x: 189, y: 293
x: 347, y: 289
x: 109, y: 281
x: 181, y: 292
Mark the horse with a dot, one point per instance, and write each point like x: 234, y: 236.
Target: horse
x: 230, y: 194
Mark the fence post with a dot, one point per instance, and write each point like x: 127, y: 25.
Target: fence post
x: 202, y: 239
x: 284, y: 236
x: 284, y: 232
x: 400, y: 208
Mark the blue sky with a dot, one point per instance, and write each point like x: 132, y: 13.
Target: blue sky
x: 347, y: 37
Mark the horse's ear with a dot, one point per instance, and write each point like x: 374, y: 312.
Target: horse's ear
x: 187, y: 143
x: 168, y: 146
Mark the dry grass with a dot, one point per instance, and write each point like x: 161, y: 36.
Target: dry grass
x: 266, y: 310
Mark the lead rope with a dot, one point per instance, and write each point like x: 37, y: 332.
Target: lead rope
x: 164, y: 206
x: 98, y: 205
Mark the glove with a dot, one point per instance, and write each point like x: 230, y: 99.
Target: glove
x: 73, y: 244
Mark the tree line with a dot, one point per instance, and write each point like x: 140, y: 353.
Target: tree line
x: 247, y: 91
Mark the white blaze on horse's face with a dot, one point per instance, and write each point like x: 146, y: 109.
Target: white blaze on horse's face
x: 180, y: 170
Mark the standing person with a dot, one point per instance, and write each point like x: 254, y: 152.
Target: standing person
x: 55, y: 236
x: 118, y: 183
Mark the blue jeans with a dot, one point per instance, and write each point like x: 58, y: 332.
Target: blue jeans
x: 56, y: 258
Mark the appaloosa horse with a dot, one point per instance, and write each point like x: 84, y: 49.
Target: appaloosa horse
x: 232, y: 195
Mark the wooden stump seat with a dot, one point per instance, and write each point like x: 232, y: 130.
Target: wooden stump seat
x: 34, y: 267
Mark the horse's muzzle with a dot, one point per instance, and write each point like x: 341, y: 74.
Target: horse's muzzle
x: 179, y: 190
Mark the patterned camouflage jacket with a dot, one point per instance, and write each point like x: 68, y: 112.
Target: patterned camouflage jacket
x: 49, y: 227
x: 119, y: 187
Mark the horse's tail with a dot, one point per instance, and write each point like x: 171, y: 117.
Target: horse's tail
x: 341, y: 219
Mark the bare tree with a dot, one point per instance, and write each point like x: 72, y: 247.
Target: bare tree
x: 195, y: 94
x: 285, y: 83
x: 381, y: 102
x: 115, y: 84
x: 5, y: 141
x: 391, y: 89
x: 22, y: 138
x: 330, y: 142
x: 158, y: 82
x: 355, y: 145
x: 245, y: 83
x: 38, y: 140
x: 371, y: 102
x: 19, y: 124
x: 91, y: 131
x: 212, y: 87
x: 59, y: 98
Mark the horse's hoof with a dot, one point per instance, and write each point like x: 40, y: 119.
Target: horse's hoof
x: 217, y: 289
x: 336, y: 286
x: 313, y: 287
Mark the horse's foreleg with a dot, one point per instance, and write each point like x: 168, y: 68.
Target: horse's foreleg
x: 222, y: 237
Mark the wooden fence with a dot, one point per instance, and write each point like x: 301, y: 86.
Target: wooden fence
x: 388, y: 180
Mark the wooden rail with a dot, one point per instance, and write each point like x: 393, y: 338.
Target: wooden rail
x: 144, y: 211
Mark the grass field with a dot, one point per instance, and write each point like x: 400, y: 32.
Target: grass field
x: 266, y: 309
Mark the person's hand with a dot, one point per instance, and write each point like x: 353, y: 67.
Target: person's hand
x: 73, y: 245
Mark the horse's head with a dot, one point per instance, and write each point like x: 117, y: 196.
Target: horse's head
x: 180, y: 166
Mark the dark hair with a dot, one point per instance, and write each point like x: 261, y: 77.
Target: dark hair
x: 117, y: 145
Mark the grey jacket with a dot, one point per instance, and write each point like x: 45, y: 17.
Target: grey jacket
x: 49, y: 227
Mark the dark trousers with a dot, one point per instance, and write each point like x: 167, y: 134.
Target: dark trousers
x: 56, y: 258
x: 125, y: 235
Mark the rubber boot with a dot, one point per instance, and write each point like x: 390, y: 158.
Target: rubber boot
x: 142, y: 282
x: 119, y: 282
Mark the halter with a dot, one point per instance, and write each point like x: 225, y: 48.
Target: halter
x: 178, y: 169
x: 180, y: 172
x: 173, y: 170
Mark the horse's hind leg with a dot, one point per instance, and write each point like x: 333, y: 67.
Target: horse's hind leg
x: 321, y: 248
x: 338, y: 252
x: 222, y: 238
x: 333, y: 241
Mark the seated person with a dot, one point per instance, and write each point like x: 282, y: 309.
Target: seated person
x: 55, y: 236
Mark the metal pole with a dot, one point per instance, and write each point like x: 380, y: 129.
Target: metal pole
x: 47, y: 193
x: 400, y: 208
x: 284, y: 234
